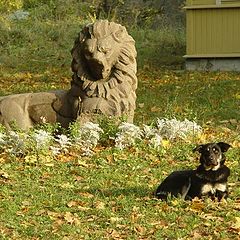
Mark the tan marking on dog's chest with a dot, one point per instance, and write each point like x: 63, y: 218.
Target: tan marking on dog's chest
x: 207, y: 188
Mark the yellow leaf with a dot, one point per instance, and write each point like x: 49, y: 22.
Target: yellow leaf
x: 86, y: 194
x: 53, y: 215
x: 30, y: 159
x: 115, y: 219
x: 237, y: 96
x: 197, y: 205
x: 72, y: 204
x: 166, y: 143
x: 141, y: 105
x: 66, y: 185
x: 237, y: 223
x: 49, y: 164
x: 154, y: 109
x: 69, y: 217
x: 100, y: 205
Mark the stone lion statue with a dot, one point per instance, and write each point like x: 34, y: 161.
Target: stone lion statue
x: 104, y: 82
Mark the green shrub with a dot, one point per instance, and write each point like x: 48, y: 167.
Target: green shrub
x: 164, y: 46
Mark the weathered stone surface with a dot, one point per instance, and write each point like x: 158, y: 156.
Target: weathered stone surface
x: 104, y: 67
x: 104, y: 82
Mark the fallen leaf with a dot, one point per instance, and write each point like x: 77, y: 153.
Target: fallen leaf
x: 78, y: 178
x: 115, y: 219
x: 73, y: 204
x: 53, y: 215
x: 40, y: 212
x: 83, y: 163
x: 69, y: 217
x: 197, y: 205
x: 114, y: 234
x: 140, y: 229
x: 49, y: 164
x: 100, y: 205
x: 110, y: 158
x: 166, y: 143
x: 4, y: 175
x: 66, y: 185
x: 141, y: 105
x: 196, y: 235
x: 86, y: 194
x: 237, y: 223
x: 154, y: 109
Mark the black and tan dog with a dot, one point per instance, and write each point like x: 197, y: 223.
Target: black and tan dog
x: 209, y: 179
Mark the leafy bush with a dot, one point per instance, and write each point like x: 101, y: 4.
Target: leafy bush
x: 164, y: 46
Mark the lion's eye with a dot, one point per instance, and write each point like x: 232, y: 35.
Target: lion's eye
x: 103, y: 49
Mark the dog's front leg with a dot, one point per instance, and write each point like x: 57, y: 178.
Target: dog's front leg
x: 220, y: 195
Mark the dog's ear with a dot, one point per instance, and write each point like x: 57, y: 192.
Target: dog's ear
x: 224, y: 146
x: 198, y: 148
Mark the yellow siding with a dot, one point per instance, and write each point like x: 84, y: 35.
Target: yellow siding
x: 210, y: 2
x: 213, y: 31
x: 200, y: 2
x: 230, y: 1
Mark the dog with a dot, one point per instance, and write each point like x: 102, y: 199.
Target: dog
x: 208, y: 180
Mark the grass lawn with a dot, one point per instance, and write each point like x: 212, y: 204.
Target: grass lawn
x: 109, y: 195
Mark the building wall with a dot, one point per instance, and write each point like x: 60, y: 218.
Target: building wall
x: 213, y: 30
x: 213, y: 35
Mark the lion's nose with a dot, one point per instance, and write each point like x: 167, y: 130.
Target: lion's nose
x: 98, y: 57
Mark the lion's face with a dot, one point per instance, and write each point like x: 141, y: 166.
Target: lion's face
x: 104, y: 70
x: 100, y: 56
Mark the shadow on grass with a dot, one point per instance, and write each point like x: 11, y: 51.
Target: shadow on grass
x: 116, y: 192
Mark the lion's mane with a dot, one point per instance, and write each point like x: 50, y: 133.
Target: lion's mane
x: 114, y: 95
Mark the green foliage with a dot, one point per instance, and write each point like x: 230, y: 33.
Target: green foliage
x: 194, y: 96
x: 36, y: 3
x: 4, y: 29
x: 109, y: 195
x: 49, y: 32
x: 10, y: 5
x: 74, y: 129
x: 164, y: 46
x: 110, y: 128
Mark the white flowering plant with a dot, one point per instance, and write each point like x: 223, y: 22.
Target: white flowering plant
x: 41, y: 138
x: 173, y: 128
x: 16, y: 143
x: 128, y: 135
x: 87, y: 136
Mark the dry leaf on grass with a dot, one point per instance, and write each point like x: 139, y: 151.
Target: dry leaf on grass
x: 4, y: 175
x: 236, y: 225
x: 115, y: 219
x: 100, y: 205
x: 71, y: 218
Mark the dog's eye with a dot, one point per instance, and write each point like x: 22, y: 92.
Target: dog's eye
x: 208, y: 149
x: 215, y: 150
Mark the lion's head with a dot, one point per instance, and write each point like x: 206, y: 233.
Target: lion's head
x: 104, y: 66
